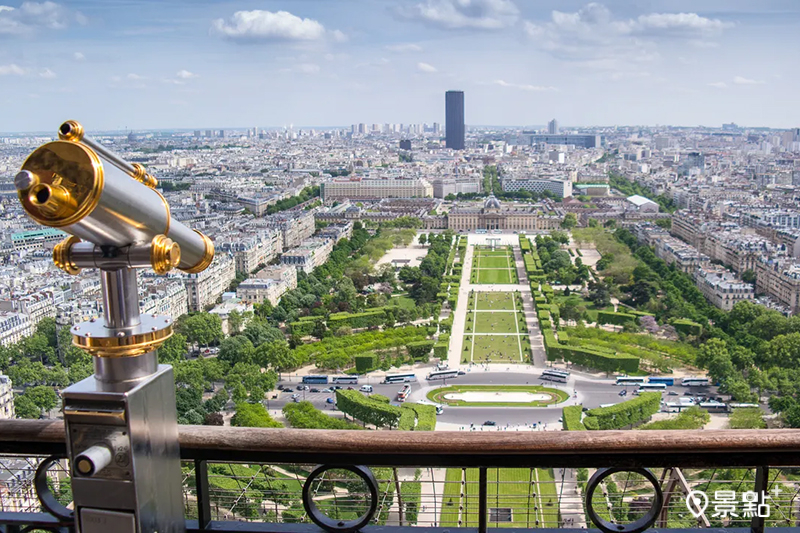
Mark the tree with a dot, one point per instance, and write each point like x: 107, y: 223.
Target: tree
x: 47, y: 328
x: 259, y: 331
x: 253, y: 415
x: 25, y: 407
x: 425, y: 290
x: 748, y: 276
x: 599, y: 294
x: 423, y: 239
x: 236, y: 349
x: 570, y: 221
x: 235, y: 320
x: 37, y: 346
x: 43, y: 397
x: 214, y: 419
x: 277, y: 355
x: 202, y: 328
x: 571, y: 309
x: 173, y: 349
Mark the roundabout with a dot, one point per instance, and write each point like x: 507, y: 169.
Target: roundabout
x: 497, y: 396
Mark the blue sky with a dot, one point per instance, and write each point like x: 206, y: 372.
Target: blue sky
x: 144, y: 64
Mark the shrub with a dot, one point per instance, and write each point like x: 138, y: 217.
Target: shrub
x: 366, y: 362
x: 618, y: 319
x: 571, y: 417
x: 305, y: 415
x: 368, y: 410
x: 627, y: 413
x: 440, y: 349
x: 420, y: 350
x: 687, y: 327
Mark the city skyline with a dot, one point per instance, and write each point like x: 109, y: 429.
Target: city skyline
x: 161, y: 65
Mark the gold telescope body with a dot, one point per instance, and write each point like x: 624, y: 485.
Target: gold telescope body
x: 80, y: 187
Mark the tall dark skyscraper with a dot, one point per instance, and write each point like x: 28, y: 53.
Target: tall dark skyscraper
x: 454, y: 119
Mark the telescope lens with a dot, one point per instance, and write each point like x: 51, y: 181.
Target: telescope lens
x: 42, y: 195
x: 65, y: 128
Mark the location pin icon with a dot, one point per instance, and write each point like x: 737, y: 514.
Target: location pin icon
x: 697, y: 502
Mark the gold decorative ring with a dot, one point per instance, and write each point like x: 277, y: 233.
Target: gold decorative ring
x: 208, y: 256
x: 61, y: 257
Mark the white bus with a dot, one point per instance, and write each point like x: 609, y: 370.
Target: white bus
x: 345, y: 379
x: 652, y: 386
x: 625, y: 380
x: 732, y: 406
x: 557, y: 376
x: 442, y: 374
x: 399, y: 378
x: 694, y: 382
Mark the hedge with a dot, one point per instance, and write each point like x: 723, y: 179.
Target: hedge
x: 305, y: 415
x: 446, y: 325
x: 425, y: 415
x: 571, y: 417
x: 366, y: 409
x: 420, y: 350
x: 545, y: 324
x: 366, y: 362
x: 588, y: 356
x: 370, y: 318
x: 627, y: 413
x: 687, y: 327
x: 440, y: 349
x: 618, y: 319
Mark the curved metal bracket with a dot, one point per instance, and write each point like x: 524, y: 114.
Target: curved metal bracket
x: 45, y: 495
x: 634, y: 527
x: 338, y: 526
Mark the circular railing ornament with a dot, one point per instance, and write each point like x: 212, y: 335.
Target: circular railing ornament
x: 636, y: 526
x: 45, y: 495
x: 332, y: 524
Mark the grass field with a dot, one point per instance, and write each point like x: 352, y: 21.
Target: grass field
x: 529, y: 494
x: 496, y: 349
x: 494, y: 262
x: 495, y: 276
x: 486, y: 322
x: 494, y: 301
x: 493, y: 267
x: 556, y: 395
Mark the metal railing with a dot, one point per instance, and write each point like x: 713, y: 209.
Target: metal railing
x: 246, y: 479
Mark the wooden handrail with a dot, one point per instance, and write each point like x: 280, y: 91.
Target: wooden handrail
x: 445, y: 443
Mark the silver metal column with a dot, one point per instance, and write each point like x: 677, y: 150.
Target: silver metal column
x: 120, y: 298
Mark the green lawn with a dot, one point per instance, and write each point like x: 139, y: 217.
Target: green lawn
x: 509, y: 488
x: 556, y: 395
x: 493, y: 262
x: 496, y: 349
x: 496, y: 276
x: 488, y: 322
x: 495, y: 301
x: 451, y: 498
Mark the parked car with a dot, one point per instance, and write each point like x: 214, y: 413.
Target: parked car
x: 673, y: 393
x: 314, y: 390
x: 490, y: 423
x: 439, y: 409
x: 336, y: 387
x: 327, y: 390
x: 366, y: 388
x: 462, y: 373
x: 330, y: 400
x: 623, y: 392
x: 295, y: 396
x: 296, y: 400
x: 350, y: 388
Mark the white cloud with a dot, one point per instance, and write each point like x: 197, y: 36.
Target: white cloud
x: 12, y: 69
x: 31, y: 16
x: 303, y: 68
x: 407, y: 47
x: 739, y: 80
x: 458, y: 14
x: 258, y: 25
x: 524, y: 87
x: 135, y: 77
x: 593, y: 33
x: 185, y: 75
x: 78, y: 56
x: 718, y: 85
x: 426, y: 68
x: 47, y: 74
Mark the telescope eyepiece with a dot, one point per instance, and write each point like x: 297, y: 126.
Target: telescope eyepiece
x: 71, y: 130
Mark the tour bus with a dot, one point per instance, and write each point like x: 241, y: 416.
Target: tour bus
x: 694, y: 382
x: 732, y: 406
x: 669, y: 382
x: 345, y: 379
x: 626, y: 380
x: 402, y: 395
x: 315, y: 379
x: 442, y: 374
x: 652, y: 386
x: 399, y: 378
x: 559, y: 376
x: 713, y: 406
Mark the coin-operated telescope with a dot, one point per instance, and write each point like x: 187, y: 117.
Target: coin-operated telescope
x: 122, y: 434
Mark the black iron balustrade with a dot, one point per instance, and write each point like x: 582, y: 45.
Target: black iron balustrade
x: 480, y: 498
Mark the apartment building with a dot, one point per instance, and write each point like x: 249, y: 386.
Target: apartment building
x: 205, y: 287
x: 560, y: 188
x: 721, y: 288
x: 37, y: 305
x: 308, y: 256
x: 337, y: 232
x: 40, y: 238
x: 375, y: 189
x: 6, y: 398
x: 779, y: 278
x: 169, y: 297
x: 250, y: 252
x: 686, y: 258
x: 295, y: 226
x: 268, y: 284
x: 14, y: 327
x: 17, y: 491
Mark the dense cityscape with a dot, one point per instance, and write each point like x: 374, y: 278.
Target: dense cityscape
x: 434, y: 276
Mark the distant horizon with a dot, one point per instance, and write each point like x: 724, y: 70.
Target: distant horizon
x: 295, y: 127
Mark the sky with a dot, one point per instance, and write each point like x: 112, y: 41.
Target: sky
x: 159, y: 64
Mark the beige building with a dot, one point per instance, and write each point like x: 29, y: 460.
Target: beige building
x: 309, y: 256
x: 37, y: 305
x: 721, y: 288
x: 14, y: 327
x: 494, y: 216
x: 269, y: 284
x: 256, y: 250
x: 375, y: 189
x: 779, y: 278
x: 295, y: 226
x: 169, y: 297
x: 204, y: 288
x: 6, y: 398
